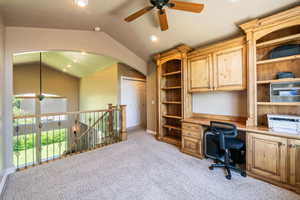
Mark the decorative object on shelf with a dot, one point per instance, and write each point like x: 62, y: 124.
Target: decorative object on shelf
x: 162, y: 16
x: 284, y: 50
x: 284, y: 123
x: 285, y: 92
x: 281, y: 75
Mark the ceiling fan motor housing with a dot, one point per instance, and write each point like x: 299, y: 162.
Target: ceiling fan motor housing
x: 159, y: 4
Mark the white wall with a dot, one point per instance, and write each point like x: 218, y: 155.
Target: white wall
x: 232, y: 103
x: 1, y: 93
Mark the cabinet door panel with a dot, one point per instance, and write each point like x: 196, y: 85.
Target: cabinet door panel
x: 191, y: 145
x: 267, y: 156
x: 230, y: 69
x: 294, y: 150
x: 200, y: 73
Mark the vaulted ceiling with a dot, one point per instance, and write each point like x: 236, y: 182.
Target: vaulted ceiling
x: 218, y: 20
x: 78, y: 64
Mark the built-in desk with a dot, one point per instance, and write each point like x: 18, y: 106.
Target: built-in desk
x: 241, y: 126
x: 271, y: 156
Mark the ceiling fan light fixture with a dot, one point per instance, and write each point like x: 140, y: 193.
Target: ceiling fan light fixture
x: 81, y: 3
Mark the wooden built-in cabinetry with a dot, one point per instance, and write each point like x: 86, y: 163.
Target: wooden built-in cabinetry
x: 272, y: 158
x: 263, y: 35
x: 267, y: 156
x: 294, y: 159
x: 218, y: 67
x: 192, y: 139
x: 170, y: 69
x: 275, y: 159
x: 237, y: 64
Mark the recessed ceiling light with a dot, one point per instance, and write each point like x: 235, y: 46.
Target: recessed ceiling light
x: 64, y: 69
x: 83, y: 53
x: 153, y: 38
x: 97, y: 29
x: 75, y: 61
x: 81, y: 3
x: 69, y: 66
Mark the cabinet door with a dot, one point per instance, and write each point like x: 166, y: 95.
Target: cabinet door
x: 294, y: 152
x: 267, y: 156
x: 191, y: 146
x: 230, y: 69
x: 200, y: 73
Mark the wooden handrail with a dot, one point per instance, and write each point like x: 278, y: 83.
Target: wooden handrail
x: 95, y: 123
x: 62, y: 113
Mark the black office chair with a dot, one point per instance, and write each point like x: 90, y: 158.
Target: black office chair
x: 224, y: 136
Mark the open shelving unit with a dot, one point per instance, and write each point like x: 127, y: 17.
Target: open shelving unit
x: 171, y: 101
x: 269, y: 100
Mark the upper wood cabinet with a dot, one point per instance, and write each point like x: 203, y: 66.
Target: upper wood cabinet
x: 200, y: 73
x: 230, y: 69
x: 294, y: 160
x: 218, y: 67
x: 267, y: 156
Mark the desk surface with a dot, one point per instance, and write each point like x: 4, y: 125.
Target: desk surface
x: 241, y: 126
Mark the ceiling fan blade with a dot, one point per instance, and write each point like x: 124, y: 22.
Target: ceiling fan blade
x: 163, y: 21
x: 187, y: 6
x: 138, y: 13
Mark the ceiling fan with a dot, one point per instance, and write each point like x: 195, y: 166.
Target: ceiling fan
x: 160, y: 5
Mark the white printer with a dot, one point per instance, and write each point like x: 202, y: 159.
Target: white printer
x: 284, y: 123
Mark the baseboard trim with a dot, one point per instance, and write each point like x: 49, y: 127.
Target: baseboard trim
x: 5, y: 173
x: 151, y: 132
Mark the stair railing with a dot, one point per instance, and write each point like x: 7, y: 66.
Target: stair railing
x: 42, y: 138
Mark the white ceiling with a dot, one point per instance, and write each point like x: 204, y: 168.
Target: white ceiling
x: 74, y: 63
x: 218, y: 20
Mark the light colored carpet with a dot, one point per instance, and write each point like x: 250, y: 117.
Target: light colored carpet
x: 140, y: 168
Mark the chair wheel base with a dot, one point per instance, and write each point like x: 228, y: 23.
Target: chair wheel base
x: 244, y: 174
x: 228, y: 177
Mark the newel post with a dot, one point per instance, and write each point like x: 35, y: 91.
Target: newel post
x: 110, y: 118
x: 123, y: 122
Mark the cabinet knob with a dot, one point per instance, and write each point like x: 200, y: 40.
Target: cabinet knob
x: 294, y: 146
x: 281, y: 144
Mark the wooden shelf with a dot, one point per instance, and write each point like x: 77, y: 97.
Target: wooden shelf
x: 172, y: 116
x: 278, y: 59
x: 286, y: 80
x: 278, y: 41
x: 171, y: 140
x: 278, y: 103
x: 171, y: 102
x: 172, y: 127
x: 171, y: 88
x: 171, y: 73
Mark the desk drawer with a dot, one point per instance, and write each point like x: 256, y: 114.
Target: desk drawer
x: 193, y: 134
x: 191, y: 127
x: 190, y: 145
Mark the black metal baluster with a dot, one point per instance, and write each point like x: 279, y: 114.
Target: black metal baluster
x: 60, y: 139
x: 25, y: 138
x: 18, y: 145
x: 102, y: 129
x: 47, y: 139
x: 33, y: 130
x: 53, y: 142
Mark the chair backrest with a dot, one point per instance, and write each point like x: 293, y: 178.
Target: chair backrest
x: 229, y: 130
x: 224, y: 130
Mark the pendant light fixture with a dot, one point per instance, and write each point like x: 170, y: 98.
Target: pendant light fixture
x: 40, y: 96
